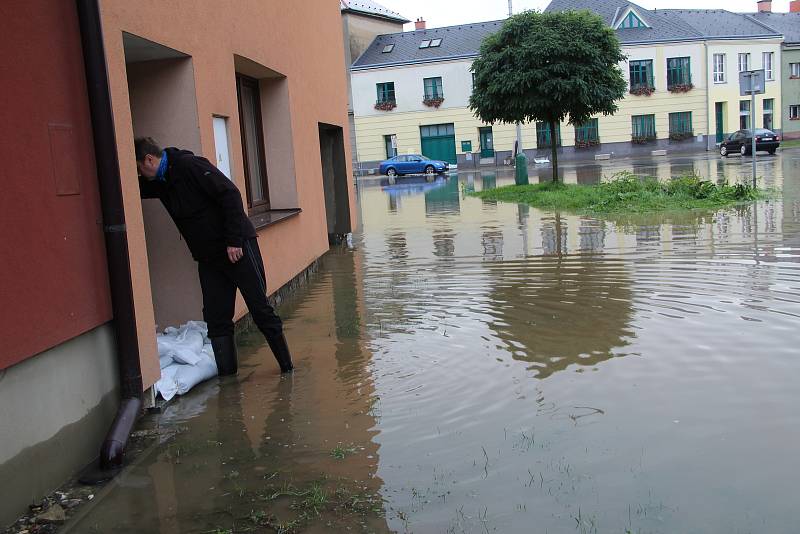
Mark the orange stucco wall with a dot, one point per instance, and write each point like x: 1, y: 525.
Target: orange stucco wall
x: 301, y: 40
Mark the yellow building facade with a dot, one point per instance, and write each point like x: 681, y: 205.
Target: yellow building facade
x: 402, y: 69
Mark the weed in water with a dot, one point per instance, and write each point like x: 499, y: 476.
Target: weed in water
x: 340, y: 451
x: 627, y: 193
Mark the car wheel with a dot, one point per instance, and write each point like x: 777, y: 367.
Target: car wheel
x: 723, y: 151
x: 743, y: 150
x: 771, y: 152
x: 429, y: 169
x: 391, y: 172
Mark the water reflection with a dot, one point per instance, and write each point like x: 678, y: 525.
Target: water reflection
x: 444, y: 199
x: 557, y: 312
x: 589, y: 174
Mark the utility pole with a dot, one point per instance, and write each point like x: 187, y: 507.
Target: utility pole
x: 753, y: 132
x: 520, y: 161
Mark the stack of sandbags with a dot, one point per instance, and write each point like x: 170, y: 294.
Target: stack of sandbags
x: 186, y: 358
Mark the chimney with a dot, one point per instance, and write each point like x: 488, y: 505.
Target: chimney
x: 794, y: 6
x: 420, y: 22
x: 764, y: 6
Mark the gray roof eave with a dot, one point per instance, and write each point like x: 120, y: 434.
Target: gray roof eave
x: 702, y: 39
x: 376, y: 15
x: 441, y: 59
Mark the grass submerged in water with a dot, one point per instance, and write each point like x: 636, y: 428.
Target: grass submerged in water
x: 626, y: 193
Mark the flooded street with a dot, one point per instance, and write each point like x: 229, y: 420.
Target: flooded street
x: 472, y: 366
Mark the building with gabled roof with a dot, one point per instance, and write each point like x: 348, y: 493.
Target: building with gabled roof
x: 411, y: 89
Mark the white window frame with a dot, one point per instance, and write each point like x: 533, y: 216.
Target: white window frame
x: 794, y: 70
x: 768, y: 62
x: 796, y: 109
x: 719, y: 68
x: 744, y: 61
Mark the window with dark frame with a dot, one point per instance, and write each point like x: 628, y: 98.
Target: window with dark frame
x: 769, y: 106
x: 587, y: 132
x: 543, y: 138
x: 679, y: 72
x: 643, y: 127
x: 641, y: 74
x: 433, y: 88
x: 385, y: 92
x: 680, y: 124
x: 251, y: 126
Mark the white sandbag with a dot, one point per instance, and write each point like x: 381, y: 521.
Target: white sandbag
x: 186, y: 358
x: 183, y: 347
x: 188, y: 376
x: 166, y: 385
x: 164, y: 361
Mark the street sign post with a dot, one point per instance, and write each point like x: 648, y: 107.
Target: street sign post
x: 751, y: 82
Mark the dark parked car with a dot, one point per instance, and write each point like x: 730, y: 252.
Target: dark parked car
x: 412, y: 164
x: 741, y: 142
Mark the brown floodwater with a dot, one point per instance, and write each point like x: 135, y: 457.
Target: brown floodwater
x: 470, y: 366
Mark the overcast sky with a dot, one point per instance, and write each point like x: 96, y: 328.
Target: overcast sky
x: 449, y: 12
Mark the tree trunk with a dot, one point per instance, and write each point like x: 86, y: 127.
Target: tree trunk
x: 554, y: 150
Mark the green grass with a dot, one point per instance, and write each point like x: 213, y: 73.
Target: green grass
x: 792, y: 143
x: 340, y: 451
x: 626, y: 193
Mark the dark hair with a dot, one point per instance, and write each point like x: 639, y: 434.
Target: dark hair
x: 145, y: 146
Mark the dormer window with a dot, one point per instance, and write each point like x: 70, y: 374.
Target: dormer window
x: 632, y: 21
x: 629, y: 18
x: 388, y: 48
x: 425, y: 44
x: 436, y: 42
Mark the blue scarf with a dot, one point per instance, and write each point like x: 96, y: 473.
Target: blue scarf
x: 162, y: 167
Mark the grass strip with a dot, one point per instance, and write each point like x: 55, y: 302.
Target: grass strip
x: 626, y: 193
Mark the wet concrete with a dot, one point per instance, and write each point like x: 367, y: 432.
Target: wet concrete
x: 471, y: 366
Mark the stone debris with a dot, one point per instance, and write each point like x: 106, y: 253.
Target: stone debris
x: 54, y: 514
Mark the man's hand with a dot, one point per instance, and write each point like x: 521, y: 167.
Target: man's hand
x: 235, y: 254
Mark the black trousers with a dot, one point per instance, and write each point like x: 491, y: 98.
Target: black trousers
x: 219, y: 280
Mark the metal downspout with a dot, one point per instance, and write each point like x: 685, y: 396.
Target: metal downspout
x: 112, y: 451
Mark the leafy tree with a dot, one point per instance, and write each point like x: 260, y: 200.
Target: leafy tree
x: 547, y: 67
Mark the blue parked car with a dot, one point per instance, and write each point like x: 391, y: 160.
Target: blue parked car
x: 412, y: 164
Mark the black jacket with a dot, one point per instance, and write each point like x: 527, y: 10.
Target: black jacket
x: 205, y: 205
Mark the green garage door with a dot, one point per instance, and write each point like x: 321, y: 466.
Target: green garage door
x: 439, y: 142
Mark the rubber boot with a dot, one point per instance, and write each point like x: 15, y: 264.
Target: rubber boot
x: 281, y: 351
x: 225, y: 354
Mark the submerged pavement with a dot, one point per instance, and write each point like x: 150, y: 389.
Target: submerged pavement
x: 473, y: 366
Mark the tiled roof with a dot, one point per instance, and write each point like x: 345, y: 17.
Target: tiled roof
x: 457, y: 41
x: 786, y: 23
x: 367, y: 7
x: 715, y: 23
x: 666, y: 25
x: 670, y: 24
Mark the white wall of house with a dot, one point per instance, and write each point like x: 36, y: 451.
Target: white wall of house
x: 409, y: 86
x: 728, y: 91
